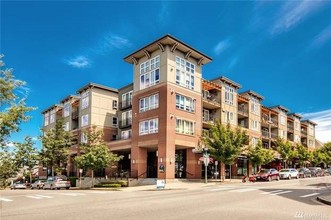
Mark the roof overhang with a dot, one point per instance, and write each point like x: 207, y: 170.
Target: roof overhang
x: 174, y: 44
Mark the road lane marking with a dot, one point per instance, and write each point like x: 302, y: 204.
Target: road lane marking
x: 220, y: 189
x: 73, y: 194
x: 278, y: 193
x: 308, y: 195
x: 34, y: 197
x: 244, y: 190
x: 271, y: 192
x: 99, y: 192
x: 5, y: 200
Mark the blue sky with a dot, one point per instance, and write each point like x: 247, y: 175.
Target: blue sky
x: 279, y: 49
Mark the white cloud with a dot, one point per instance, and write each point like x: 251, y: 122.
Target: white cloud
x: 292, y: 13
x: 79, y: 62
x: 322, y: 37
x: 110, y: 42
x: 10, y: 145
x: 323, y: 121
x: 222, y: 46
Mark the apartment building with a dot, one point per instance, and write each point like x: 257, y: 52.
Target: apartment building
x: 156, y: 121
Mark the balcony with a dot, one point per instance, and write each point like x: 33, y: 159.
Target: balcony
x: 126, y: 123
x: 208, y: 118
x: 243, y: 123
x: 210, y: 100
x: 274, y: 122
x: 126, y: 104
x: 290, y: 127
x: 243, y: 110
x: 303, y: 132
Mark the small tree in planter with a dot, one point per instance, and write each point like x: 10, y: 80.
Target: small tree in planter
x: 95, y: 153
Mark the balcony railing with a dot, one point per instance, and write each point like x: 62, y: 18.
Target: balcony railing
x: 74, y: 114
x: 274, y: 121
x: 265, y: 134
x: 304, y: 132
x: 290, y: 127
x: 125, y: 123
x: 208, y: 118
x: 273, y: 135
x: 126, y: 104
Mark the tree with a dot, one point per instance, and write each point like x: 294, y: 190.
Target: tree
x: 26, y: 155
x: 326, y: 149
x: 286, y: 150
x: 259, y: 155
x: 55, y: 151
x: 224, y: 143
x: 96, y: 154
x: 317, y: 157
x: 12, y: 106
x: 303, y: 155
x: 8, y: 167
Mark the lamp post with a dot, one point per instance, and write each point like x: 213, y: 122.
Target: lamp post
x: 205, y: 161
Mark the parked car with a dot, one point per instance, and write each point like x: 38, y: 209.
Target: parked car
x: 267, y: 175
x: 18, y: 185
x: 327, y: 171
x: 316, y: 171
x: 304, y: 172
x: 288, y: 173
x: 57, y: 182
x: 38, y: 184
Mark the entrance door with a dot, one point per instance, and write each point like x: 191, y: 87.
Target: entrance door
x: 151, y: 165
x: 180, y: 164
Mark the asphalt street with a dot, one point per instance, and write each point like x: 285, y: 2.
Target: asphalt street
x: 285, y: 199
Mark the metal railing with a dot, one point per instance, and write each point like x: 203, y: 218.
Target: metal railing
x: 125, y: 123
x: 243, y: 109
x: 265, y: 134
x: 126, y: 104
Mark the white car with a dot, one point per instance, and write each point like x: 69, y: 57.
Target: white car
x: 288, y: 173
x: 18, y: 185
x: 57, y: 182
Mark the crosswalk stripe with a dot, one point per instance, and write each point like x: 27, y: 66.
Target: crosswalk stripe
x: 220, y: 189
x: 308, y: 195
x: 271, y: 192
x: 278, y: 193
x: 34, y: 197
x: 5, y: 200
x: 243, y: 190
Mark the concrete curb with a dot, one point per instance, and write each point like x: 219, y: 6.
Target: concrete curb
x: 324, y: 199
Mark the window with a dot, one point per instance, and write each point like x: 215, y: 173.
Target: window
x: 46, y: 120
x: 66, y: 110
x: 83, y: 138
x: 297, y: 138
x: 150, y: 72
x: 229, y: 117
x: 84, y: 121
x: 310, y: 143
x: 85, y: 100
x: 282, y: 134
x: 148, y: 103
x: 282, y: 118
x: 114, y: 122
x: 185, y: 73
x: 52, y: 117
x: 126, y: 118
x: 66, y: 126
x: 255, y: 125
x: 126, y: 99
x: 115, y: 104
x: 185, y: 103
x: 255, y: 106
x: 184, y: 127
x: 229, y: 91
x: 148, y: 126
x: 126, y: 134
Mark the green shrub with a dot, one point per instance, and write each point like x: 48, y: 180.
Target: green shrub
x: 108, y: 185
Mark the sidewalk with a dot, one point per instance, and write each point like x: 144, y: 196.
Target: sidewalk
x: 180, y: 185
